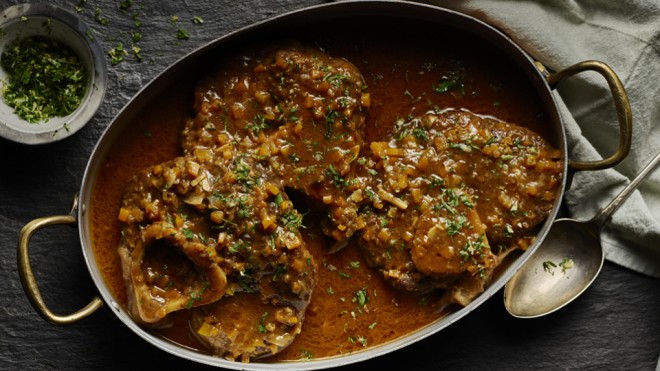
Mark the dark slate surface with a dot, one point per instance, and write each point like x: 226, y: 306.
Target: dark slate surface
x: 615, y: 325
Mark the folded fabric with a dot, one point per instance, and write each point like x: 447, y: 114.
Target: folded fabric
x: 626, y: 36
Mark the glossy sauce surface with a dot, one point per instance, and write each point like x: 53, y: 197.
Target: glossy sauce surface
x: 352, y: 306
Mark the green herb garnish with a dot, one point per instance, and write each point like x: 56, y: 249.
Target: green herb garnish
x: 262, y: 323
x: 182, y: 34
x: 548, y: 266
x: 335, y: 177
x: 452, y: 81
x: 292, y: 220
x: 46, y: 78
x: 566, y: 263
x: 361, y: 297
x: 258, y: 124
x: 117, y: 54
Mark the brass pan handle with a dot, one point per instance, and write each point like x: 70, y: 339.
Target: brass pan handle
x: 27, y: 276
x: 621, y: 104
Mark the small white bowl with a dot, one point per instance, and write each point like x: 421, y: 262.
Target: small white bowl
x: 25, y: 20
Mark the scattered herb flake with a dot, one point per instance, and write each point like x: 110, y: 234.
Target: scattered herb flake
x: 258, y: 124
x: 79, y: 6
x: 262, y: 323
x: 449, y: 82
x: 306, y: 354
x: 565, y: 264
x: 124, y: 5
x: 182, y: 34
x: 136, y: 36
x: 136, y: 53
x: 117, y: 54
x: 335, y: 177
x: 292, y: 220
x: 189, y: 234
x: 361, y: 297
x: 279, y: 199
x: 548, y: 266
x: 98, y: 18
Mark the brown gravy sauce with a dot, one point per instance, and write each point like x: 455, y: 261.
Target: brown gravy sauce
x: 400, y: 72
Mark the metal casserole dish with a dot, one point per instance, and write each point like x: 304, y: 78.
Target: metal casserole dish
x: 316, y: 18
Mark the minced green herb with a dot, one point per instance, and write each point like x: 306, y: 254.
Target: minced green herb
x: 99, y: 18
x: 182, y: 34
x: 548, y: 266
x: 45, y: 78
x: 292, y: 220
x: 335, y: 177
x: 565, y: 264
x: 452, y: 81
x: 262, y: 323
x: 117, y: 54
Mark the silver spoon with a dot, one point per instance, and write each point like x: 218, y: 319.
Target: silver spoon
x: 566, y: 262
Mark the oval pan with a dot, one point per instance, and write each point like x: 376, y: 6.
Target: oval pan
x: 186, y: 72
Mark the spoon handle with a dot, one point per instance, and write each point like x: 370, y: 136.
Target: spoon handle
x: 602, y: 217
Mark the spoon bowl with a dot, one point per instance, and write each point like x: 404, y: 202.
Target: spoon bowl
x: 567, y: 261
x: 558, y: 272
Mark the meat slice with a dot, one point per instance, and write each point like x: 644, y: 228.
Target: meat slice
x: 514, y: 172
x: 428, y: 245
x: 266, y: 317
x: 296, y: 107
x: 167, y: 262
x: 437, y: 194
x: 450, y: 238
x: 200, y: 227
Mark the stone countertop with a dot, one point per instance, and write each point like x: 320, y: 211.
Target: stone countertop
x: 614, y: 325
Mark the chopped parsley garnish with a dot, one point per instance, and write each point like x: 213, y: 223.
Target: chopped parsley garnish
x: 242, y: 174
x: 335, y: 177
x: 330, y: 119
x: 306, y: 354
x: 455, y: 225
x: 292, y: 220
x: 262, y: 323
x: 294, y: 158
x: 279, y: 199
x: 335, y: 79
x: 361, y: 297
x: 124, y: 5
x: 197, y: 295
x: 258, y: 124
x: 98, y: 18
x: 117, y: 54
x: 452, y: 81
x: 182, y: 34
x: 566, y: 263
x: 472, y: 252
x: 46, y: 79
x: 189, y: 234
x: 548, y: 266
x: 435, y: 181
x: 239, y: 246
